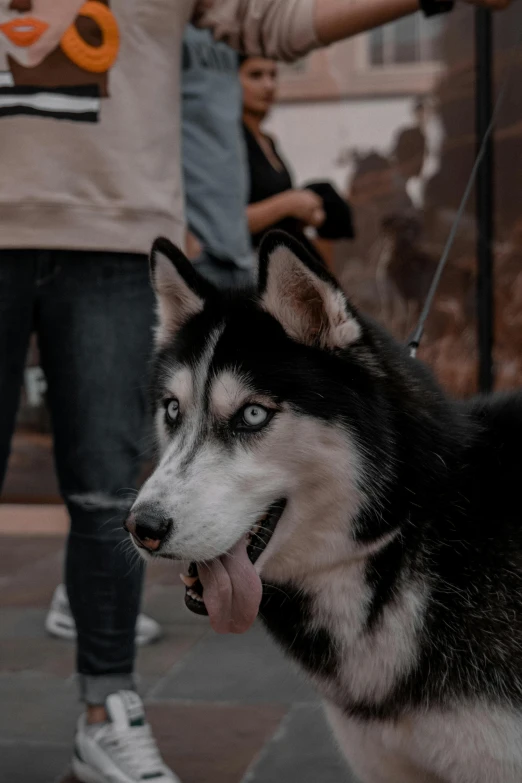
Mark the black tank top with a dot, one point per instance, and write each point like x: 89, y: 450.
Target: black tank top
x: 266, y: 181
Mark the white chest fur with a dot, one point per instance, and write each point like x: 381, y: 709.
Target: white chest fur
x: 371, y: 662
x: 470, y: 744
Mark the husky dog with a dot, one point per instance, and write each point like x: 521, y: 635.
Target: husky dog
x: 314, y: 473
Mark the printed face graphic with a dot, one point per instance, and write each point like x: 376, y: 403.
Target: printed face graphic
x: 32, y: 29
x: 56, y: 57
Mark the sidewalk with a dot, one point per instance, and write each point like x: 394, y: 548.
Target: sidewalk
x: 224, y: 709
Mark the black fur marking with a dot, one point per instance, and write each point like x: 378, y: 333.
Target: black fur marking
x: 383, y: 572
x: 469, y: 553
x: 277, y: 239
x: 196, y: 282
x: 287, y: 613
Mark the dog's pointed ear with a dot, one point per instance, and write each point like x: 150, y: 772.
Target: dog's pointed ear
x: 180, y: 290
x: 301, y: 294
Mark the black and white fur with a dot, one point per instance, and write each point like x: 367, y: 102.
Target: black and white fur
x: 394, y: 576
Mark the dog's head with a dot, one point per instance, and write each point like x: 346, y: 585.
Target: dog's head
x: 266, y: 403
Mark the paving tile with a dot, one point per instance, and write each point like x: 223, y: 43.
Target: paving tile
x: 37, y: 707
x: 56, y: 657
x: 18, y: 553
x: 166, y: 603
x: 30, y: 473
x: 21, y: 622
x: 33, y: 520
x: 46, y: 655
x: 32, y: 566
x: 23, y: 763
x: 34, y: 584
x: 156, y: 660
x: 302, y: 750
x: 20, y: 628
x: 25, y: 646
x: 248, y: 669
x: 212, y: 744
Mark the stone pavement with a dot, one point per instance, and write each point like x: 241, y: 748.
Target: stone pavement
x: 224, y: 709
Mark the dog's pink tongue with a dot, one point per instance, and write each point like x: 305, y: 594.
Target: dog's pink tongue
x: 231, y: 590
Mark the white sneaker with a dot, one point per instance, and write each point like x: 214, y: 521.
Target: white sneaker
x: 60, y: 622
x: 122, y: 750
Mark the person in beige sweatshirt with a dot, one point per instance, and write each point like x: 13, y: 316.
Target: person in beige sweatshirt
x: 89, y: 151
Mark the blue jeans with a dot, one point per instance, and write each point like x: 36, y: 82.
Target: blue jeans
x: 224, y: 274
x: 93, y: 315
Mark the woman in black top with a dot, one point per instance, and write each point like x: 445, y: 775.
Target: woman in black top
x: 273, y: 202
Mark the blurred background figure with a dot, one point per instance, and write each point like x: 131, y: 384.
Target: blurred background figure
x: 314, y: 214
x: 214, y: 163
x: 273, y: 201
x: 409, y: 155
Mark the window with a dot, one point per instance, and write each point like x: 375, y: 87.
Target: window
x: 412, y: 40
x: 401, y: 58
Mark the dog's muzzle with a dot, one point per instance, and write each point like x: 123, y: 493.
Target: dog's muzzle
x: 258, y: 539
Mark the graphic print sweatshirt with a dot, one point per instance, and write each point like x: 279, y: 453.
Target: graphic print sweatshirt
x: 90, y: 112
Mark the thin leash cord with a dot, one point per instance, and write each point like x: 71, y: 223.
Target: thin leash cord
x: 419, y: 331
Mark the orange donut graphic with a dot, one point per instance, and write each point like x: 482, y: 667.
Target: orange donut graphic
x: 95, y: 59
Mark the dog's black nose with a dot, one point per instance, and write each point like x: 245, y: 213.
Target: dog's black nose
x: 148, y: 528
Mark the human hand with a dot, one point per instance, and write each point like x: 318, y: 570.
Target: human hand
x: 306, y: 206
x: 193, y: 246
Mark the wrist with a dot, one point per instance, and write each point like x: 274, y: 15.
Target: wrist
x: 286, y: 203
x: 434, y: 7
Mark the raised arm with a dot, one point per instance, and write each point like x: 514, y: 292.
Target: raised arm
x: 336, y: 20
x: 288, y: 29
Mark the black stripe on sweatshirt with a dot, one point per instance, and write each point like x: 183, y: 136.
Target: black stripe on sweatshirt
x: 30, y: 111
x: 81, y: 91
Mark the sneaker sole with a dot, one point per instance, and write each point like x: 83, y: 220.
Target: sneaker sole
x: 55, y: 626
x: 143, y: 641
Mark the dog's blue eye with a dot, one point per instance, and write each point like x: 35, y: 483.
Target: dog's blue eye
x: 171, y: 411
x: 255, y: 416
